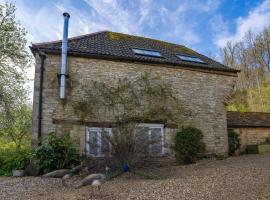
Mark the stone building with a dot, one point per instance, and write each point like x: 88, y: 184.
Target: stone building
x: 253, y: 127
x: 200, y: 82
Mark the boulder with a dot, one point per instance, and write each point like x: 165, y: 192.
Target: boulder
x: 32, y: 170
x: 57, y: 173
x: 77, y: 169
x: 89, y: 180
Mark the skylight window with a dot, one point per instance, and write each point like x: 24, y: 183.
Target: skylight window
x: 190, y: 58
x: 145, y: 52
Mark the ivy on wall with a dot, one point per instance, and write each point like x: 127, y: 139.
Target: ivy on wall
x: 145, y: 98
x: 127, y: 103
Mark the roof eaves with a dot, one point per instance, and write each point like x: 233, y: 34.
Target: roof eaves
x: 111, y: 57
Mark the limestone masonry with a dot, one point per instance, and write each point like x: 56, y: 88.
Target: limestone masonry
x: 205, y: 92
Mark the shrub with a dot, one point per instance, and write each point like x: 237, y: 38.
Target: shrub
x: 11, y: 158
x: 252, y: 149
x: 234, y: 141
x: 57, y: 152
x: 267, y: 140
x: 188, y: 144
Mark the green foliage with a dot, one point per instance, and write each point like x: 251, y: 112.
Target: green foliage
x: 251, y: 57
x: 16, y: 127
x: 220, y: 156
x: 238, y: 102
x: 57, y: 152
x: 252, y: 149
x: 14, y: 58
x: 267, y: 140
x: 12, y: 158
x: 254, y: 99
x: 15, y: 116
x: 264, y: 148
x: 234, y: 141
x: 188, y: 144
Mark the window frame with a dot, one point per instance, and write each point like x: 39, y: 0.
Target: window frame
x: 87, y: 138
x: 150, y: 126
x: 148, y: 55
x: 109, y: 130
x: 199, y: 60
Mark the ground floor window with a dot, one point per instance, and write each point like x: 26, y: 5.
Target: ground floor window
x: 97, y: 141
x: 150, y: 140
x: 154, y: 139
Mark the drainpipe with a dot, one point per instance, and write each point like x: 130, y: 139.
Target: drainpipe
x: 63, y: 72
x: 42, y: 56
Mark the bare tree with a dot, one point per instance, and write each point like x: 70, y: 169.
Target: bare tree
x: 252, y: 57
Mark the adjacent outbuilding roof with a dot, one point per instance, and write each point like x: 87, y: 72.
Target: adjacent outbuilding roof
x: 118, y: 46
x: 248, y: 119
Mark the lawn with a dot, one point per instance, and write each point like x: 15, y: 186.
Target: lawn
x: 245, y: 177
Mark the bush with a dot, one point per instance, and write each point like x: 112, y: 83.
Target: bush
x: 267, y: 140
x: 57, y: 152
x: 12, y: 158
x: 234, y: 142
x: 188, y: 144
x: 252, y: 149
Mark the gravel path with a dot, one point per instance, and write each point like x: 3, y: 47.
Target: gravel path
x: 245, y: 177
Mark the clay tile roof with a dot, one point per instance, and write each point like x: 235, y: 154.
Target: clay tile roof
x: 112, y: 45
x: 248, y: 119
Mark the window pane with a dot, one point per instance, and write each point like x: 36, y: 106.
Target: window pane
x: 105, y: 142
x: 156, y: 141
x: 147, y: 52
x: 142, y: 141
x: 190, y: 58
x: 93, y: 142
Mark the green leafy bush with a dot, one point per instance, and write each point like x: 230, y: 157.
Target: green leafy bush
x: 57, y: 152
x: 234, y: 141
x: 252, y: 149
x: 267, y: 140
x: 12, y: 158
x: 188, y: 144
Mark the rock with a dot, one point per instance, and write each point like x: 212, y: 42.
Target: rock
x: 77, y: 169
x: 57, y: 173
x: 32, y: 170
x: 73, y: 171
x: 18, y: 173
x: 89, y: 180
x: 67, y: 176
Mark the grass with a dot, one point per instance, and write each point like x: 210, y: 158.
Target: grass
x: 264, y: 149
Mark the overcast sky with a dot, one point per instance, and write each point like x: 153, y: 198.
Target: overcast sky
x: 204, y: 25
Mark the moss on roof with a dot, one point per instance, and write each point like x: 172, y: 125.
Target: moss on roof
x: 112, y: 45
x: 113, y: 36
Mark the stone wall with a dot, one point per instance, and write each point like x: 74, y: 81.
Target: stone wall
x: 251, y: 136
x: 202, y: 91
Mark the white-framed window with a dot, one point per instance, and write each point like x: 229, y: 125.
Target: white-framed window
x: 96, y: 141
x: 155, y: 137
x: 151, y: 140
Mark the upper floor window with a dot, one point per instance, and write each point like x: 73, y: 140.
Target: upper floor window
x: 190, y: 58
x: 145, y: 52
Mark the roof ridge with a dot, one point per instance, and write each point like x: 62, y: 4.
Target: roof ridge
x: 107, y: 31
x: 143, y: 37
x: 71, y: 38
x: 114, y: 44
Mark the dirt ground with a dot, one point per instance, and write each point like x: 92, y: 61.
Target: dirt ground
x: 244, y: 177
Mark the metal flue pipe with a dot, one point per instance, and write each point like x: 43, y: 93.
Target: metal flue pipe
x: 63, y: 73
